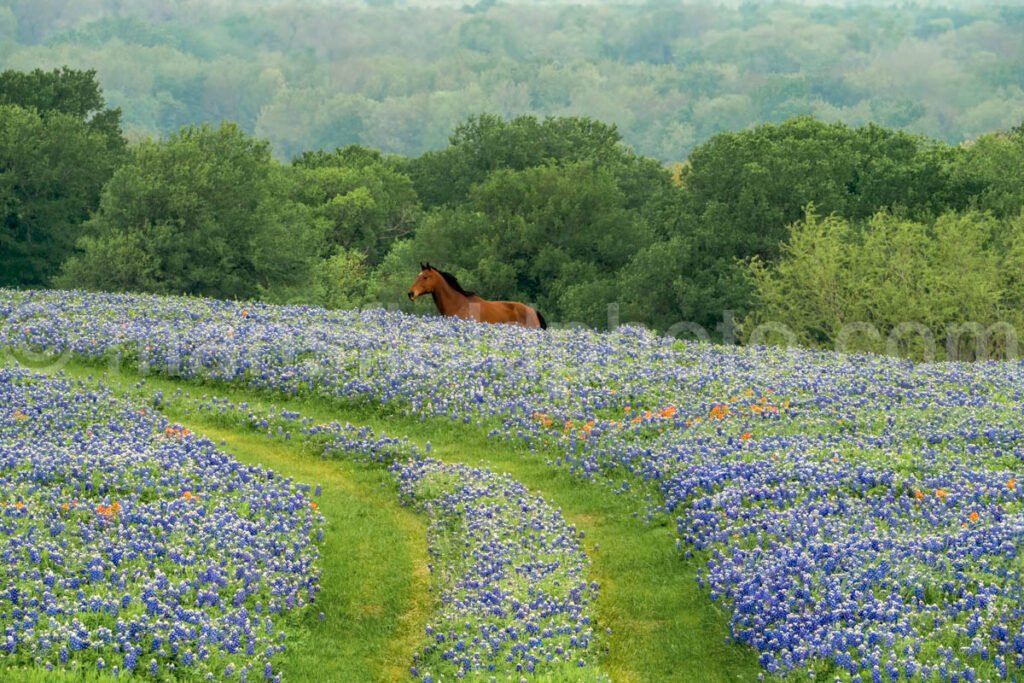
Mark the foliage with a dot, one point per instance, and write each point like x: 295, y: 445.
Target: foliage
x: 946, y: 287
x: 359, y: 201
x: 989, y: 171
x: 742, y: 189
x: 488, y: 143
x: 202, y: 213
x: 338, y: 281
x: 388, y: 284
x: 541, y: 235
x: 556, y: 212
x: 58, y: 146
x: 67, y: 91
x: 400, y: 76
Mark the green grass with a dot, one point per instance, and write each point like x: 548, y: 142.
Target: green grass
x: 664, y: 628
x: 373, y: 559
x: 30, y: 675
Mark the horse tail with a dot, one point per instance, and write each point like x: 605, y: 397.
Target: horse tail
x: 543, y: 323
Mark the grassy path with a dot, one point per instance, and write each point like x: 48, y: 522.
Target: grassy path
x: 663, y: 627
x: 374, y: 578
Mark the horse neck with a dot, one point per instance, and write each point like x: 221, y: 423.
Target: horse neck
x: 447, y: 300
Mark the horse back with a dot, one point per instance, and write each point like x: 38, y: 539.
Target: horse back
x: 515, y: 313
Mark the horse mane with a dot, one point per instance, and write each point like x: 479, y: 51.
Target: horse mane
x: 450, y: 279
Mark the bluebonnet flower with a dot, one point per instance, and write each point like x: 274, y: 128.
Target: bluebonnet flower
x: 846, y: 505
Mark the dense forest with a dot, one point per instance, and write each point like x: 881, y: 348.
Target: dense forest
x: 804, y: 223
x: 399, y: 75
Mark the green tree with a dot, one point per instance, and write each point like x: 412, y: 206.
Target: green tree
x: 58, y: 146
x: 65, y: 91
x: 742, y: 189
x: 358, y: 200
x: 891, y: 284
x: 811, y: 288
x: 1012, y: 267
x: 488, y: 143
x: 209, y: 210
x: 52, y: 169
x: 339, y: 281
x: 549, y: 235
x: 990, y: 171
x: 388, y: 283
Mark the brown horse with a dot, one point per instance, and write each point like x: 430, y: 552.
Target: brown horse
x: 451, y: 299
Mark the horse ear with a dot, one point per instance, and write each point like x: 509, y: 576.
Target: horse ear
x: 423, y: 266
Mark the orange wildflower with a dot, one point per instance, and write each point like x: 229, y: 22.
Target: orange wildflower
x: 1012, y: 484
x: 109, y: 511
x: 668, y: 412
x: 919, y: 495
x: 974, y: 516
x: 178, y: 433
x: 745, y: 436
x: 20, y: 416
x: 941, y: 493
x: 719, y: 412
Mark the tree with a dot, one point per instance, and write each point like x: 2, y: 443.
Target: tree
x: 742, y: 189
x: 338, y: 281
x: 990, y: 172
x: 891, y: 284
x: 653, y: 287
x: 209, y: 211
x: 811, y: 288
x: 544, y: 235
x: 359, y: 201
x: 52, y: 169
x: 58, y: 146
x: 65, y: 91
x: 487, y: 143
x: 388, y: 283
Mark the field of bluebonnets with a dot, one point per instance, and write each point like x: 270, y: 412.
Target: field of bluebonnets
x: 860, y: 516
x: 131, y: 546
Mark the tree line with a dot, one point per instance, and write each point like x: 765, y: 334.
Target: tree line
x: 399, y: 75
x: 810, y: 223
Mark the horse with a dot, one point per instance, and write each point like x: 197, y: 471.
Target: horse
x: 452, y: 300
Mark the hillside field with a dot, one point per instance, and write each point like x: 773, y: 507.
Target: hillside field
x: 197, y: 489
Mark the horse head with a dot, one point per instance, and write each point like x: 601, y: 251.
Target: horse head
x: 425, y: 282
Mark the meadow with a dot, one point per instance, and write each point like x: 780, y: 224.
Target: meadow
x: 839, y: 517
